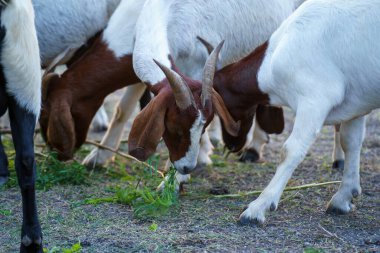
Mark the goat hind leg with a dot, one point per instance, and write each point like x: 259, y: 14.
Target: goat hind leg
x: 305, y: 130
x: 23, y: 124
x: 352, y: 135
x: 338, y: 153
x: 112, y: 138
x: 253, y: 152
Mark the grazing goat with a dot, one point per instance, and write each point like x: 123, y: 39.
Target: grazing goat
x: 78, y: 22
x: 323, y: 59
x: 170, y: 37
x: 20, y: 93
x: 71, y: 100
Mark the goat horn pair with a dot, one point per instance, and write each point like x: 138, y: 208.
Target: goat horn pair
x: 182, y: 93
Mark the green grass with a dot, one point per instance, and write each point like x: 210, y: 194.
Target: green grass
x: 76, y: 248
x: 51, y: 172
x: 146, y: 202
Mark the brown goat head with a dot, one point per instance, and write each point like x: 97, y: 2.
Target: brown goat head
x: 179, y: 113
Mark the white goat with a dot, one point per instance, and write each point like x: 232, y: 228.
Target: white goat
x: 324, y: 59
x: 20, y: 93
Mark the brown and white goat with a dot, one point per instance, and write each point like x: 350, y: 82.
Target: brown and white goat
x: 71, y: 100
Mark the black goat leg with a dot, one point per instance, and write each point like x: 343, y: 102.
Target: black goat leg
x: 23, y: 124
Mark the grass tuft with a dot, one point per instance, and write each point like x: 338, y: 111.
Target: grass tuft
x: 52, y: 172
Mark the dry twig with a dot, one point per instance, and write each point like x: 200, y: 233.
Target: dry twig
x: 124, y: 156
x: 294, y: 188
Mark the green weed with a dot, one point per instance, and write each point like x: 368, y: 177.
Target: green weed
x: 76, y: 248
x: 146, y: 203
x: 51, y: 172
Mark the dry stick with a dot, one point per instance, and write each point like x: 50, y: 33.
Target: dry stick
x: 294, y: 188
x: 125, y: 156
x: 331, y: 234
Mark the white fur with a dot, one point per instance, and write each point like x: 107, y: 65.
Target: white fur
x: 324, y: 59
x: 170, y: 27
x: 20, y: 55
x: 190, y: 158
x: 120, y: 32
x: 63, y: 24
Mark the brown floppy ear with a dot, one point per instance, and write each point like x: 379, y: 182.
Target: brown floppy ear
x: 270, y: 119
x: 232, y: 127
x: 147, y: 129
x: 61, y: 132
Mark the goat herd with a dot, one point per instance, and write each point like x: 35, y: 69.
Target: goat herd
x: 241, y: 60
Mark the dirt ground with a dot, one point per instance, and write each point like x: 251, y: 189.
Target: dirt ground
x: 203, y: 223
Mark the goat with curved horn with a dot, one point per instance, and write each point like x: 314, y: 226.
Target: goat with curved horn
x: 181, y: 91
x: 208, y: 74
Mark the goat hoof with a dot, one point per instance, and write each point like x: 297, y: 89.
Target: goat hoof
x: 334, y: 210
x: 246, y: 220
x: 355, y: 193
x: 29, y: 245
x: 338, y: 165
x: 250, y: 155
x: 3, y: 180
x: 273, y: 207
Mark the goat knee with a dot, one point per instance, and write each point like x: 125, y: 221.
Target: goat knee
x: 25, y: 165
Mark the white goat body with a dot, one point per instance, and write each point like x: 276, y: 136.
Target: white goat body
x: 325, y: 59
x: 170, y: 27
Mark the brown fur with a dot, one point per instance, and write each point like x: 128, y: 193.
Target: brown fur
x: 73, y: 99
x: 237, y: 85
x: 171, y: 123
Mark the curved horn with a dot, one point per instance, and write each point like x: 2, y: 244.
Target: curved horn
x: 207, y: 45
x: 46, y: 79
x: 182, y: 93
x: 208, y: 74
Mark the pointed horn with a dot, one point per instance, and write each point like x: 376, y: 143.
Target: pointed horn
x: 208, y: 74
x: 207, y: 45
x: 45, y: 84
x: 182, y: 93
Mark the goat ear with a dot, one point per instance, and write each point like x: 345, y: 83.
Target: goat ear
x: 270, y: 119
x: 61, y: 132
x: 232, y: 127
x: 147, y: 129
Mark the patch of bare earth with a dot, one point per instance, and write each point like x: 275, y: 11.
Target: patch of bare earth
x: 202, y: 223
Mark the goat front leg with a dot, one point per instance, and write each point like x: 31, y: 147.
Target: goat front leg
x: 338, y: 154
x: 4, y: 172
x: 215, y: 131
x: 254, y: 151
x: 100, y: 121
x: 112, y: 138
x: 23, y: 124
x: 306, y: 128
x: 351, y: 135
